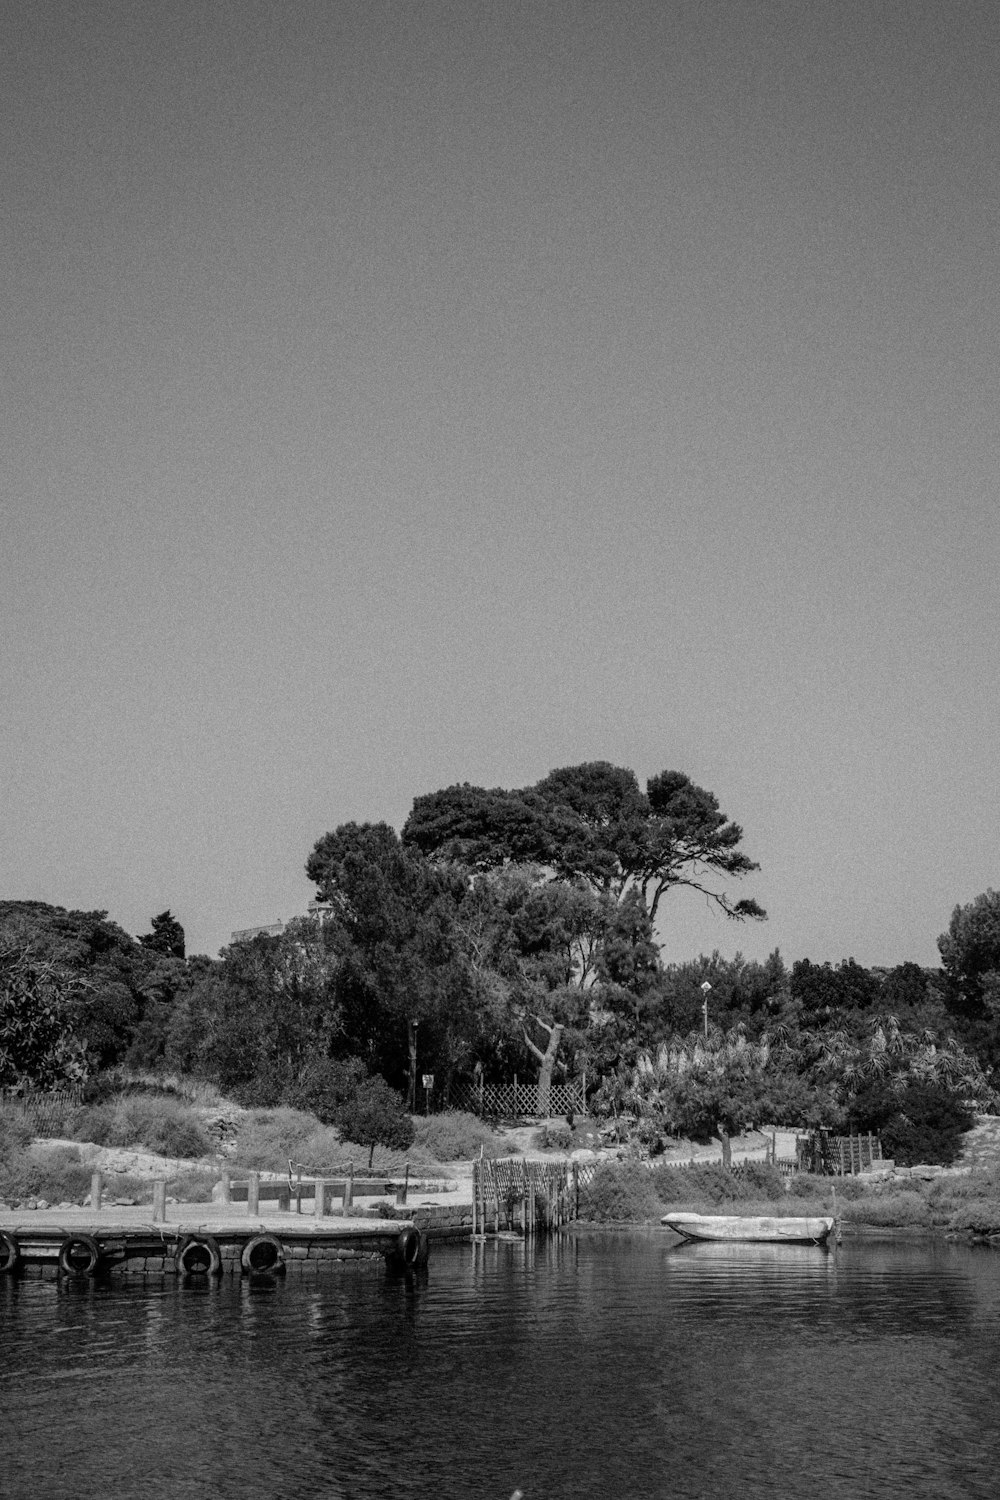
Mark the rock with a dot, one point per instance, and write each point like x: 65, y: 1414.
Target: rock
x: 41, y: 1203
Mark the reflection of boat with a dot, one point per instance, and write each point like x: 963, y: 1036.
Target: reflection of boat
x: 749, y: 1230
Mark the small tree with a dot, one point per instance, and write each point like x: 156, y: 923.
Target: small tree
x: 39, y: 1010
x: 376, y: 1116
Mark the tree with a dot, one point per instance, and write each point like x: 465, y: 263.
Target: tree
x: 112, y: 967
x: 40, y: 1010
x: 592, y: 822
x: 166, y: 937
x: 262, y: 1016
x: 375, y: 1115
x: 970, y: 950
x: 404, y: 969
x: 546, y: 1058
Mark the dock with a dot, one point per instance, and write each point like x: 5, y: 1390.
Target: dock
x: 253, y: 1226
x: 200, y: 1239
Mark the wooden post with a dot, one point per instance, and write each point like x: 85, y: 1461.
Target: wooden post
x: 349, y: 1187
x: 319, y: 1208
x: 253, y: 1193
x: 298, y: 1191
x: 159, y: 1201
x: 96, y: 1190
x: 576, y: 1191
x: 475, y: 1199
x: 226, y: 1185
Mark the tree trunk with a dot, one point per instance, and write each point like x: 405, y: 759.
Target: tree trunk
x: 727, y: 1147
x: 547, y: 1060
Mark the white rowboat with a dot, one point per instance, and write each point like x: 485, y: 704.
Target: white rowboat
x: 749, y: 1231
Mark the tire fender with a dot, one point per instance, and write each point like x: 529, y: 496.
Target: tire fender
x: 79, y: 1255
x: 263, y: 1255
x: 407, y: 1251
x: 199, y: 1255
x: 10, y: 1252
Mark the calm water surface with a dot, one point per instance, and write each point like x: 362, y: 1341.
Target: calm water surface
x: 604, y: 1365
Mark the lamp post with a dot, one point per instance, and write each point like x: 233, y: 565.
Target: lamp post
x: 706, y: 990
x: 412, y: 1103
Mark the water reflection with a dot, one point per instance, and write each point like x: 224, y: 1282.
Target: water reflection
x: 605, y: 1364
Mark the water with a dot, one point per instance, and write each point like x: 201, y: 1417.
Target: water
x: 604, y: 1365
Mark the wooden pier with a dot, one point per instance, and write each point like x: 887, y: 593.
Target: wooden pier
x: 250, y: 1227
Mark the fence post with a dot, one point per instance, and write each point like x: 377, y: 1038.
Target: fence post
x: 515, y: 1095
x: 253, y: 1193
x: 349, y: 1187
x: 96, y: 1189
x: 159, y: 1202
x: 319, y: 1207
x: 226, y: 1187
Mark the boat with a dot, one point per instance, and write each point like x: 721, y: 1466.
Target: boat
x: 749, y: 1230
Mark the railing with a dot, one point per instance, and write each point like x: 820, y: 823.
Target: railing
x: 515, y: 1100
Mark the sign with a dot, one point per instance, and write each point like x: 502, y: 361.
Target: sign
x: 428, y: 1080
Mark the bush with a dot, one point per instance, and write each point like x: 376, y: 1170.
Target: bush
x: 159, y: 1124
x: 554, y: 1135
x: 192, y: 1186
x: 455, y: 1136
x: 977, y: 1218
x: 924, y: 1123
x: 620, y: 1192
x: 715, y: 1184
x: 268, y: 1138
x: 15, y: 1134
x: 56, y: 1175
x: 94, y: 1122
x: 890, y: 1211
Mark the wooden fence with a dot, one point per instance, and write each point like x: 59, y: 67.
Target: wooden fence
x: 43, y: 1111
x: 519, y: 1196
x: 506, y: 1101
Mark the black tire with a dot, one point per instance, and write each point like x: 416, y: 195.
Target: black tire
x: 199, y: 1255
x: 408, y: 1248
x: 10, y: 1252
x: 264, y: 1255
x: 79, y: 1255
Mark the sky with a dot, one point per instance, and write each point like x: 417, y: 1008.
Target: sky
x: 403, y: 394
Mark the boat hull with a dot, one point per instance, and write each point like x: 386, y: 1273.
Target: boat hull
x: 748, y: 1230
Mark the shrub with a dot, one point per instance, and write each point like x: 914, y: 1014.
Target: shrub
x: 455, y: 1136
x: 554, y: 1135
x: 890, y: 1211
x: 268, y: 1138
x: 56, y: 1175
x: 711, y: 1182
x: 160, y: 1124
x: 620, y: 1192
x: 94, y: 1122
x: 977, y: 1218
x: 15, y: 1134
x: 192, y: 1186
x: 924, y: 1123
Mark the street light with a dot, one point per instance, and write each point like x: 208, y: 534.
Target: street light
x: 706, y: 990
